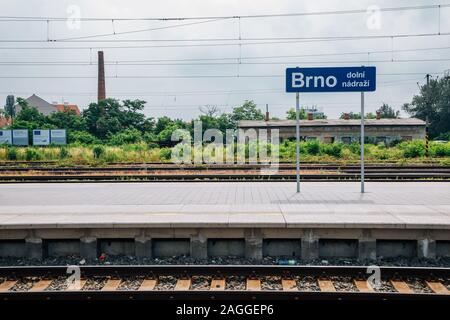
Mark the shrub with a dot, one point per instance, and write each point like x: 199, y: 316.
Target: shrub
x: 127, y: 136
x: 413, y: 149
x: 64, y: 153
x: 355, y: 148
x: 11, y: 154
x: 81, y: 137
x: 443, y: 136
x: 165, y: 153
x: 98, y: 151
x: 440, y: 149
x: 332, y: 149
x: 32, y: 154
x: 312, y: 147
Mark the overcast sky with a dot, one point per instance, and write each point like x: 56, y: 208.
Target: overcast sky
x: 181, y: 97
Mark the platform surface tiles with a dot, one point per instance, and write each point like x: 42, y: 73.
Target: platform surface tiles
x: 198, y: 204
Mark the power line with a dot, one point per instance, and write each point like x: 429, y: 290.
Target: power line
x: 187, y: 76
x: 222, y: 63
x: 318, y: 54
x: 140, y: 30
x: 312, y: 13
x: 241, y: 40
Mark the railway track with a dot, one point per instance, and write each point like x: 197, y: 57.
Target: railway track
x: 222, y: 173
x: 255, y: 282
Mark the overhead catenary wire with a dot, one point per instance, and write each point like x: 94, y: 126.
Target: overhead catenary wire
x: 189, y: 76
x: 255, y: 16
x: 118, y: 63
x: 317, y: 54
x: 114, y: 33
x: 238, y: 41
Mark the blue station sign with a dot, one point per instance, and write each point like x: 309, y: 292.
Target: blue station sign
x: 340, y: 79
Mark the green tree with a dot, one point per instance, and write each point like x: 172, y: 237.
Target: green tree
x: 291, y: 114
x: 10, y: 110
x: 66, y: 119
x: 357, y: 115
x: 164, y: 128
x: 387, y: 112
x: 29, y: 117
x: 248, y: 111
x: 109, y: 117
x: 433, y: 102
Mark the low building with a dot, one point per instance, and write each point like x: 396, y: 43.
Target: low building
x: 47, y: 108
x: 344, y: 130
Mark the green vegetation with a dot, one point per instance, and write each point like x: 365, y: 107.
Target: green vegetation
x: 385, y: 111
x: 433, y: 103
x: 114, y: 123
x: 311, y: 151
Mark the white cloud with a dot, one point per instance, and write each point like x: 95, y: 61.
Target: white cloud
x: 176, y: 105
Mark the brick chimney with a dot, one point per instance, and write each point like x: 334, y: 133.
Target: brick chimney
x: 101, y: 77
x: 378, y: 115
x: 310, y: 116
x: 346, y: 116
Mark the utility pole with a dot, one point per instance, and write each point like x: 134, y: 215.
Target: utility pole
x: 427, y: 153
x: 297, y: 139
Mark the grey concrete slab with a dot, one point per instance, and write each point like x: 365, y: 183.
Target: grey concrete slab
x: 268, y: 204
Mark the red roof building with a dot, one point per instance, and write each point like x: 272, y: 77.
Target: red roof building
x: 4, y: 122
x: 70, y: 107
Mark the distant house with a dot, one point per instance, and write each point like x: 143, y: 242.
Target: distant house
x: 62, y: 107
x: 343, y: 130
x: 47, y: 108
x: 4, y: 122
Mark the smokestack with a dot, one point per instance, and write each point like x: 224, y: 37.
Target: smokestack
x: 267, y: 113
x: 310, y: 116
x: 378, y: 115
x: 101, y: 77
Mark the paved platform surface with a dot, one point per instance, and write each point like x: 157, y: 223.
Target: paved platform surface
x: 264, y: 204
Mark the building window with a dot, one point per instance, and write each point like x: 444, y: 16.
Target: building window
x: 406, y: 138
x: 346, y: 140
x: 328, y: 139
x: 37, y: 133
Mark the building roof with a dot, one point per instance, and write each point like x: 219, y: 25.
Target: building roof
x: 40, y: 104
x: 47, y: 108
x: 330, y: 122
x: 4, y: 122
x: 61, y: 107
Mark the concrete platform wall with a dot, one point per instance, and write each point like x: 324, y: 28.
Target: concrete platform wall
x: 253, y: 243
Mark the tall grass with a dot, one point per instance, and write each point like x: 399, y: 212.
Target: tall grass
x: 405, y: 152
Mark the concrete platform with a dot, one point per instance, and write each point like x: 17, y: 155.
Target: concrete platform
x: 249, y: 211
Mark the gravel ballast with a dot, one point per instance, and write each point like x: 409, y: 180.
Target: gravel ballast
x: 129, y: 260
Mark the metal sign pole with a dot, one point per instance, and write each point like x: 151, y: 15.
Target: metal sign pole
x: 362, y: 142
x: 297, y: 138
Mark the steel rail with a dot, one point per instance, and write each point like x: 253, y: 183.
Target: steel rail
x: 220, y: 271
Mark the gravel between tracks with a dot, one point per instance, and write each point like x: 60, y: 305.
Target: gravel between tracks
x: 129, y: 260
x: 307, y: 283
x: 235, y: 283
x: 344, y: 284
x: 24, y: 284
x: 200, y: 283
x: 271, y: 283
x: 418, y: 285
x: 384, y: 286
x: 130, y: 283
x: 166, y: 283
x: 94, y: 283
